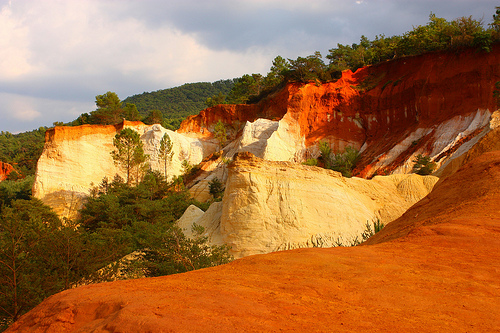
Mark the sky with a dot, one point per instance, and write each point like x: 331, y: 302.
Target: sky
x: 57, y: 55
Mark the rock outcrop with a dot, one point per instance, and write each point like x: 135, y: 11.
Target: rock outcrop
x: 270, y: 206
x: 391, y: 111
x: 435, y: 269
x: 5, y: 170
x: 76, y: 158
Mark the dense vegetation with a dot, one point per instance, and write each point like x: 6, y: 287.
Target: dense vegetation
x: 22, y: 151
x: 41, y: 255
x: 177, y: 103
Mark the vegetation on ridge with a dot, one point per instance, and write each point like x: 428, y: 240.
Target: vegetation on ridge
x: 437, y: 35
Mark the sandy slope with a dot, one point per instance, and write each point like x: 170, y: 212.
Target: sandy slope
x: 440, y: 272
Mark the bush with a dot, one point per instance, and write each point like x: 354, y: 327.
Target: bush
x: 345, y: 162
x: 216, y: 188
x: 423, y: 165
x: 311, y: 162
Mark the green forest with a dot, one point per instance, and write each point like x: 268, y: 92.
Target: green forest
x: 177, y: 103
x: 42, y: 254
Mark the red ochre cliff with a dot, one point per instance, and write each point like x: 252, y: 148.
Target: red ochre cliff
x: 5, y: 170
x: 377, y: 106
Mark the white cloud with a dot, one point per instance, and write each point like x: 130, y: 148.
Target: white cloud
x: 14, y: 45
x: 57, y: 55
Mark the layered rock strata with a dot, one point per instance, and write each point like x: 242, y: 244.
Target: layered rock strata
x: 391, y: 111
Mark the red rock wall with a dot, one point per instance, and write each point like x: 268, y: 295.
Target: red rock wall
x: 378, y: 105
x: 5, y: 170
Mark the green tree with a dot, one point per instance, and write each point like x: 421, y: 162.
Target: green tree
x: 220, y: 134
x: 277, y: 72
x: 216, y: 188
x: 129, y: 153
x: 154, y: 117
x: 423, y: 165
x: 311, y: 68
x: 142, y: 218
x: 131, y: 113
x: 172, y: 252
x: 166, y: 153
x: 109, y: 109
x: 215, y: 100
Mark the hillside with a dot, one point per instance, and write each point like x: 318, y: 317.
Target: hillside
x: 443, y: 276
x: 179, y: 102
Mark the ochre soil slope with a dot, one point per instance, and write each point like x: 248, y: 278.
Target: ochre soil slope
x: 435, y: 269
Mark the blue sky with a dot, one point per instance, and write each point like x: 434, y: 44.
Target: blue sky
x: 56, y: 56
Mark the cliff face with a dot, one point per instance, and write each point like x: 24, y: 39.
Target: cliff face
x: 272, y: 206
x: 437, y: 104
x: 5, y: 170
x: 378, y: 107
x: 76, y: 158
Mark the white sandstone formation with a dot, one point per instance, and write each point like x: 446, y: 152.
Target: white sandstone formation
x: 271, y: 206
x: 75, y: 159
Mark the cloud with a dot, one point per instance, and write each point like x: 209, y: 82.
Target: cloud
x: 26, y: 112
x: 67, y: 52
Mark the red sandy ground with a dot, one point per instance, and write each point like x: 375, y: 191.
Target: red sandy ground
x: 436, y: 269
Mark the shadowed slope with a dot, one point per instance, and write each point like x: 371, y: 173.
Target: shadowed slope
x: 440, y: 273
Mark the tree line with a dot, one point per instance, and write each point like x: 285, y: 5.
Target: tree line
x: 167, y: 107
x: 437, y: 35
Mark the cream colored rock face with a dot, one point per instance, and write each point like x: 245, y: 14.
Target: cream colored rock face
x: 271, y: 206
x: 75, y: 159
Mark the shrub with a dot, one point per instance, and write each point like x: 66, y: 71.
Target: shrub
x: 423, y: 165
x: 311, y: 162
x: 345, y: 162
x: 216, y: 188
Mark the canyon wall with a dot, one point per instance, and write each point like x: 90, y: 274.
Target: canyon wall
x: 75, y: 159
x: 391, y: 111
x: 438, y: 104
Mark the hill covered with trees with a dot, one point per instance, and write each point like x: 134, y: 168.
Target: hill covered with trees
x: 177, y: 103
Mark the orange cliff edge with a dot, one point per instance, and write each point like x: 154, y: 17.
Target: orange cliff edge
x: 60, y: 133
x: 377, y: 105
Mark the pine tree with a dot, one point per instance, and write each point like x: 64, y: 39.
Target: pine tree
x: 166, y: 153
x: 129, y: 153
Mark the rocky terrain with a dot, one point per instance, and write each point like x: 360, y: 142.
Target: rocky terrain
x: 435, y: 269
x: 270, y: 206
x: 390, y: 112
